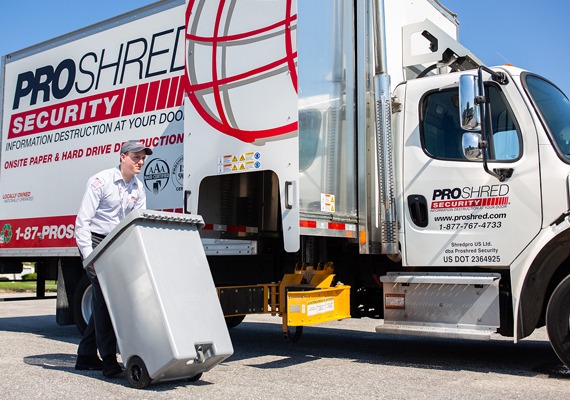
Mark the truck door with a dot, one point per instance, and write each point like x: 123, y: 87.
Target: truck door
x: 454, y: 212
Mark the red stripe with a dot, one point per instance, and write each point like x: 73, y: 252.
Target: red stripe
x: 245, y: 136
x: 243, y: 35
x: 180, y: 93
x: 152, y: 95
x: 195, y: 87
x: 172, y: 92
x: 100, y: 107
x: 129, y: 103
x: 163, y: 94
x: 215, y: 80
x: 289, y: 45
x: 141, y: 98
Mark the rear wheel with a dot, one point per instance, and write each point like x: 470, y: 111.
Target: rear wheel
x: 558, y: 321
x: 82, y: 303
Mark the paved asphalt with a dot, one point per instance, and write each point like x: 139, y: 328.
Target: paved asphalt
x: 341, y: 360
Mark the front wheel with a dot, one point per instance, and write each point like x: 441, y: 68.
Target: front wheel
x: 558, y: 321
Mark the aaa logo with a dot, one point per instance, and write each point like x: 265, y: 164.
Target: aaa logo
x: 6, y: 235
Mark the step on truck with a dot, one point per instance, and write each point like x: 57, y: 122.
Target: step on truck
x: 349, y: 159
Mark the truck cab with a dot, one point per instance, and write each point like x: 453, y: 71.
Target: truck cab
x: 466, y: 218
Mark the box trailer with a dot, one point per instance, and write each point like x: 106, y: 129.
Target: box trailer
x: 349, y: 158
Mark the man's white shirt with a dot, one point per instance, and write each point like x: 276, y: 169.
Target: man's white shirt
x: 107, y: 200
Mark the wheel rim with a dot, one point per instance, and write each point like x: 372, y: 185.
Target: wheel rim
x: 86, y: 302
x: 136, y: 373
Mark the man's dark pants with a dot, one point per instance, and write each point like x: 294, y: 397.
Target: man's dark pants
x: 99, y: 333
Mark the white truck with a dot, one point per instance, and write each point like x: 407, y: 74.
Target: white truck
x: 436, y: 198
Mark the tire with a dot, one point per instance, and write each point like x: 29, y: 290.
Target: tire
x: 558, y: 321
x: 232, y: 322
x: 293, y: 338
x: 195, y: 377
x: 137, y: 374
x: 82, y: 303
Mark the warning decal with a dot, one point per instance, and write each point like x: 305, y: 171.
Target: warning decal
x: 320, y: 306
x: 249, y: 161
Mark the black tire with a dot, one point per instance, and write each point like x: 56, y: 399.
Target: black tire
x: 82, y: 303
x: 558, y: 321
x: 294, y: 338
x: 232, y: 322
x: 137, y: 374
x: 195, y: 377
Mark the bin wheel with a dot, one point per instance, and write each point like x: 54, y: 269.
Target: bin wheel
x: 195, y: 377
x: 558, y: 321
x: 294, y: 338
x: 137, y: 374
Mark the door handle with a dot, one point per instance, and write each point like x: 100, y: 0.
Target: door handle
x: 417, y: 205
x: 289, y: 195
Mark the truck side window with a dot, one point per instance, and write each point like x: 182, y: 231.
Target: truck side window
x: 441, y: 134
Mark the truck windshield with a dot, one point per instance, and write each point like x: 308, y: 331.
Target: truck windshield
x: 554, y: 109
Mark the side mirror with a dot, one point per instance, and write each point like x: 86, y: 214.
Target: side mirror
x: 469, y: 112
x: 471, y: 146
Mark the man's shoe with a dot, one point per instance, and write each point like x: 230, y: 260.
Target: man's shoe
x: 85, y: 363
x: 111, y: 367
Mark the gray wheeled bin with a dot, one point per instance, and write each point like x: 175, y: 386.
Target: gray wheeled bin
x: 161, y: 297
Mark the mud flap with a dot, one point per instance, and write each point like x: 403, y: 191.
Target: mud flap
x: 69, y: 274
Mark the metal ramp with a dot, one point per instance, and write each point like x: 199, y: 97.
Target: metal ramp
x: 451, y: 305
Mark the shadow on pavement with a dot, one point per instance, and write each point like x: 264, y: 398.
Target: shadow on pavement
x: 253, y: 340
x: 42, y: 325
x: 66, y: 362
x: 527, y: 358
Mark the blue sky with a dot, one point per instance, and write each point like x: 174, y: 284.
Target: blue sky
x: 526, y: 33
x: 529, y: 34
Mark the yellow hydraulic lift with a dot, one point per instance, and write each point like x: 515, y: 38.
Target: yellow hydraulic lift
x: 302, y: 298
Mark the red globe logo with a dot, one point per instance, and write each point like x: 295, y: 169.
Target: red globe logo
x: 241, y: 66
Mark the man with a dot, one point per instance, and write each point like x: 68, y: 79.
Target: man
x: 110, y: 196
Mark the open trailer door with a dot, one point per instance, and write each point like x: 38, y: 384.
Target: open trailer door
x: 241, y: 108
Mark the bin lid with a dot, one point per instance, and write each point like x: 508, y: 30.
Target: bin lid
x: 148, y: 216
